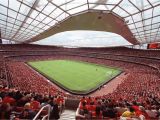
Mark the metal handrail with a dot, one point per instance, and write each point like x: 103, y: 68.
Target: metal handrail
x: 44, y: 117
x: 46, y: 106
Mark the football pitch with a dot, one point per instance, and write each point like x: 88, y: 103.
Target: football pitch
x: 75, y: 76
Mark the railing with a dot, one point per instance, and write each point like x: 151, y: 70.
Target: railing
x: 45, y: 117
x: 39, y: 112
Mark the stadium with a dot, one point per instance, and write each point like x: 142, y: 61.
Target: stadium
x: 80, y: 59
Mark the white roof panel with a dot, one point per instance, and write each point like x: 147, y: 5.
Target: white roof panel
x: 36, y: 16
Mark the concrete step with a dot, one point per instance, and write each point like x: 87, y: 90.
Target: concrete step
x: 68, y: 115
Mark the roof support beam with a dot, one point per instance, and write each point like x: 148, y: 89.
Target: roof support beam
x: 116, y: 5
x: 50, y: 1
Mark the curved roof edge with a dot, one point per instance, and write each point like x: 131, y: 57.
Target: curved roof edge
x: 97, y: 20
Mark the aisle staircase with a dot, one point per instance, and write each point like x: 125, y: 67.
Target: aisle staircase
x: 68, y: 115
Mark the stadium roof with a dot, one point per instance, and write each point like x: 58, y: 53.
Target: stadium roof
x: 138, y: 21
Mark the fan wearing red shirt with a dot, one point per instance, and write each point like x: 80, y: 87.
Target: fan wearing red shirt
x: 83, y: 100
x: 9, y: 99
x: 89, y: 100
x: 35, y: 104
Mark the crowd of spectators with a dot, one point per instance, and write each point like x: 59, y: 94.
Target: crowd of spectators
x: 138, y: 96
x: 26, y: 79
x: 123, y: 51
x: 15, y: 104
x: 3, y: 72
x: 107, y: 108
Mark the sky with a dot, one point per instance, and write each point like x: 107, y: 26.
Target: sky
x: 81, y: 38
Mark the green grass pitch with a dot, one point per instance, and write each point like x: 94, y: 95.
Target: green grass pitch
x: 75, y: 76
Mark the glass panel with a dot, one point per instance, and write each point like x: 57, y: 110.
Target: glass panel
x: 120, y: 12
x: 73, y: 4
x: 25, y: 25
x: 49, y: 8
x: 9, y: 24
x: 110, y: 7
x: 4, y: 2
x: 3, y: 10
x: 36, y: 29
x: 14, y: 4
x: 128, y: 7
x: 52, y: 23
x: 29, y: 20
x: 28, y: 2
x: 154, y: 30
x: 147, y: 14
x: 40, y: 4
x: 24, y: 9
x: 147, y: 27
x: 3, y: 22
x: 56, y: 13
x: 47, y: 20
x: 41, y: 25
x: 141, y: 4
x: 154, y: 2
x: 46, y: 27
x: 11, y: 20
x: 140, y: 29
x: 34, y: 14
x: 98, y: 7
x: 139, y: 24
x: 16, y: 27
x: 147, y: 32
x: 59, y: 2
x: 40, y: 17
x: 155, y: 19
x: 155, y: 25
x: 35, y: 23
x: 2, y: 17
x: 156, y: 11
x: 147, y: 22
x: 39, y: 31
x: 21, y: 17
x: 31, y: 27
x: 141, y: 33
x: 137, y: 17
x: 79, y: 9
x: 62, y: 16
